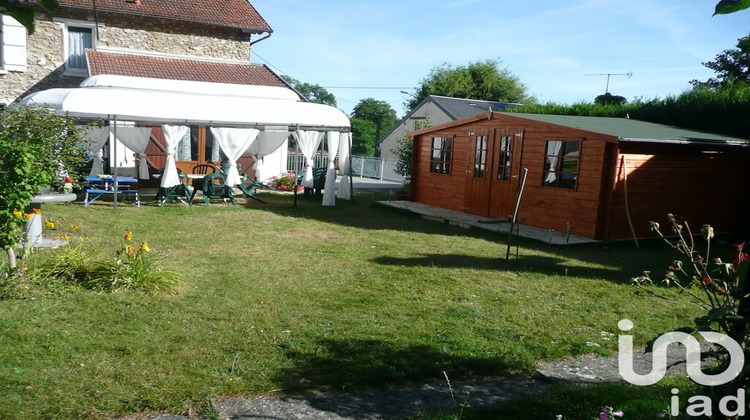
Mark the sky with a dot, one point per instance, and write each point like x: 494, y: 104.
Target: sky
x: 560, y: 49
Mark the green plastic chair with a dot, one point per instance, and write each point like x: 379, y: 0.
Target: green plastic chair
x: 248, y: 187
x: 214, y: 187
x: 178, y: 191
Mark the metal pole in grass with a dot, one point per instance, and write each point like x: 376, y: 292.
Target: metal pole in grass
x: 296, y: 166
x: 514, y: 218
x: 351, y: 173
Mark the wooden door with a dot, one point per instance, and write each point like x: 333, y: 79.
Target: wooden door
x: 479, y: 172
x: 506, y: 171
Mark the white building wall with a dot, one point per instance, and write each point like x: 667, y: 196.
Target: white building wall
x: 427, y: 110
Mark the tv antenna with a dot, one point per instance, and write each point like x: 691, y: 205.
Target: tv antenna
x: 606, y: 90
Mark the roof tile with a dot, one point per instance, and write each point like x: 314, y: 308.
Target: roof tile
x: 232, y: 13
x: 181, y: 69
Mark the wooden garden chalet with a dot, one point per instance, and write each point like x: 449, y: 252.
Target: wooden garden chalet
x: 593, y: 176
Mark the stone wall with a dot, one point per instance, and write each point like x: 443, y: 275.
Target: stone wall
x: 177, y: 39
x: 44, y: 58
x: 44, y: 49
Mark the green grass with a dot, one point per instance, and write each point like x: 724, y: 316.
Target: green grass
x: 277, y: 299
x: 582, y: 402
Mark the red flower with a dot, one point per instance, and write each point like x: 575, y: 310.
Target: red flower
x: 738, y: 257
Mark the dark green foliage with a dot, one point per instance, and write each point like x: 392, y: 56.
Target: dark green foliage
x: 23, y: 13
x: 483, y: 80
x: 610, y: 99
x: 730, y: 6
x: 36, y: 149
x: 370, y: 120
x: 721, y: 110
x: 730, y: 66
x: 363, y: 137
x: 312, y: 92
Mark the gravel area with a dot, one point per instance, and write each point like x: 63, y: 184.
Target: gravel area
x: 400, y: 402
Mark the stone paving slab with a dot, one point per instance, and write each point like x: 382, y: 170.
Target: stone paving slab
x: 495, y: 225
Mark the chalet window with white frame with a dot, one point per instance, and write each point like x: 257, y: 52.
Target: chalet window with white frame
x: 561, y: 164
x: 441, y: 155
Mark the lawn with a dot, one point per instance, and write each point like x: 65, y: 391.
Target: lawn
x: 277, y: 299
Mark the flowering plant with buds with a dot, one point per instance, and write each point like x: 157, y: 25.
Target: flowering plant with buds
x: 718, y: 286
x: 609, y: 413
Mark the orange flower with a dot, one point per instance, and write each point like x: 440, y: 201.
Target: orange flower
x: 64, y: 237
x: 17, y: 213
x: 28, y: 215
x: 144, y: 247
x: 128, y: 236
x: 130, y: 250
x: 49, y: 224
x: 37, y: 210
x: 74, y: 227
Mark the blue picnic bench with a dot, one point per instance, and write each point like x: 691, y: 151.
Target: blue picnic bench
x: 95, y: 187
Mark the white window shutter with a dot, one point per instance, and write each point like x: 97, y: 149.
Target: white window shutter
x: 14, y: 45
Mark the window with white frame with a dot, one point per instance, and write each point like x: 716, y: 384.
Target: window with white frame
x: 441, y: 155
x: 78, y: 36
x: 562, y: 163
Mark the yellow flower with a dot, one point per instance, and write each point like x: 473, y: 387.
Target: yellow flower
x: 28, y: 215
x: 128, y: 236
x: 130, y: 250
x: 37, y: 210
x: 74, y: 227
x: 49, y: 224
x: 65, y: 237
x: 17, y: 213
x: 144, y: 247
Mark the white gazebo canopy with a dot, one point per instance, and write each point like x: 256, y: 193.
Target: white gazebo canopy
x: 182, y: 103
x: 190, y: 103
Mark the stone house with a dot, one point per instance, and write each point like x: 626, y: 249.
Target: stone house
x: 164, y: 39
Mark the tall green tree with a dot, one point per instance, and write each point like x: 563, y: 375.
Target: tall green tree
x: 370, y: 119
x: 313, y: 92
x: 484, y: 80
x: 730, y: 65
x: 363, y: 135
x: 22, y: 10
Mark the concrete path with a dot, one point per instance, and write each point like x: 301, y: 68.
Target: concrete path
x: 400, y: 402
x: 495, y: 225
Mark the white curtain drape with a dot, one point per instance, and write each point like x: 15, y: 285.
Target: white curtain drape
x: 553, y: 153
x: 268, y: 142
x: 172, y: 135
x: 97, y: 137
x: 78, y: 40
x: 308, y: 142
x: 136, y: 139
x: 345, y: 162
x: 329, y: 190
x: 233, y: 142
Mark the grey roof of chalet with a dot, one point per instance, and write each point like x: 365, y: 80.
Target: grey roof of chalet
x: 455, y: 108
x: 633, y: 130
x: 458, y: 108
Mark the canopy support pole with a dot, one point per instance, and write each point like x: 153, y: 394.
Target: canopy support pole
x: 296, y: 167
x: 114, y: 171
